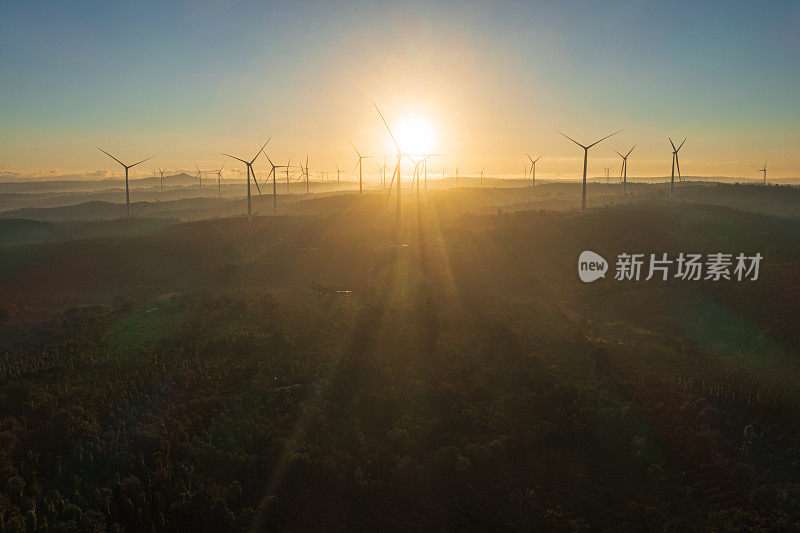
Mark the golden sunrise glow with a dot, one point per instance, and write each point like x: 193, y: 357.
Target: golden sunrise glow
x: 416, y: 135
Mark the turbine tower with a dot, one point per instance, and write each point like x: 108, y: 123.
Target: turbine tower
x: 397, y: 172
x: 360, y: 157
x: 218, y: 172
x: 274, y: 173
x: 415, y: 179
x: 305, y: 173
x: 127, y: 189
x: 764, y: 170
x: 249, y: 165
x: 288, y: 163
x: 418, y: 174
x: 425, y: 168
x: 199, y: 176
x: 675, y: 163
x: 585, y: 160
x: 533, y: 169
x: 623, y: 172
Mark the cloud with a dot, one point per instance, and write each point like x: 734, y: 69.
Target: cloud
x: 9, y: 174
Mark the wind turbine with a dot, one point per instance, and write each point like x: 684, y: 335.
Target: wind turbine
x: 249, y: 165
x: 415, y: 179
x: 417, y: 175
x: 338, y: 173
x: 425, y: 168
x: 219, y: 179
x: 484, y: 168
x: 397, y: 171
x: 380, y: 175
x: 764, y: 170
x: 162, y: 178
x: 360, y: 157
x: 533, y: 169
x: 127, y: 189
x: 305, y: 173
x: 675, y: 163
x: 623, y: 172
x: 199, y: 176
x: 273, y: 171
x: 288, y: 163
x: 585, y: 160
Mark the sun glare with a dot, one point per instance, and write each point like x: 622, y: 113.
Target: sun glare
x: 416, y: 135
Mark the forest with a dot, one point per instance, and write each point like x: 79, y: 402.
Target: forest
x: 307, y: 372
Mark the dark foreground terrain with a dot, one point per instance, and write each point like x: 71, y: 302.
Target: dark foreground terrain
x: 310, y: 373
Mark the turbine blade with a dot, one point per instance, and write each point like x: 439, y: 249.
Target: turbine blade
x: 571, y: 139
x: 681, y: 146
x: 538, y: 158
x: 387, y: 128
x: 142, y: 161
x: 629, y: 152
x: 234, y: 157
x: 672, y: 143
x: 529, y: 157
x: 259, y: 152
x: 678, y: 165
x: 392, y: 182
x: 354, y: 147
x: 619, y: 154
x: 256, y: 182
x: 111, y: 156
x: 603, y: 139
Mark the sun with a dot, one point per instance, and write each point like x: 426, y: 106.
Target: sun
x: 416, y: 135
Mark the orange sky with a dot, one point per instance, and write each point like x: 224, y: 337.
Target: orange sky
x: 494, y: 81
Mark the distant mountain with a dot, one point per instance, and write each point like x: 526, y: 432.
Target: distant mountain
x: 8, y: 175
x: 48, y: 184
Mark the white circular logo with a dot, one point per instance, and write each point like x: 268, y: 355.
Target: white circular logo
x: 591, y: 266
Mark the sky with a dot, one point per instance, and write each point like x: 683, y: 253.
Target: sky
x: 187, y: 80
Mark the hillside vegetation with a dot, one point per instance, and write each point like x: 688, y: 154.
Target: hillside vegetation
x: 309, y: 372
